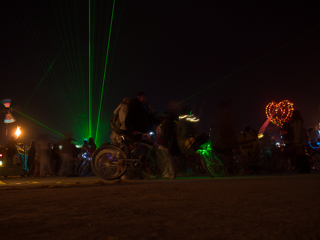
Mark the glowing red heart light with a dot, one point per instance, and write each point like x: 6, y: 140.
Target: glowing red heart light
x: 279, y: 112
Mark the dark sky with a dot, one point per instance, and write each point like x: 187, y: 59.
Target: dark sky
x: 198, y: 53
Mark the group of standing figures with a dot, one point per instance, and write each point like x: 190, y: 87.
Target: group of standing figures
x: 58, y: 159
x: 293, y: 151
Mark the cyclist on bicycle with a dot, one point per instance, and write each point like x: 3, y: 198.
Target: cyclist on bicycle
x: 132, y: 116
x: 140, y: 117
x: 84, y: 147
x: 92, y: 145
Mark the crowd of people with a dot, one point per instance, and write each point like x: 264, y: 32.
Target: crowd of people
x: 279, y: 149
x: 295, y: 138
x: 45, y: 158
x: 134, y: 116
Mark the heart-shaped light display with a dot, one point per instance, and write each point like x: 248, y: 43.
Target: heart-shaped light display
x: 279, y: 112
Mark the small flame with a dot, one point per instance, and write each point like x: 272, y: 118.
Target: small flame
x: 18, y: 131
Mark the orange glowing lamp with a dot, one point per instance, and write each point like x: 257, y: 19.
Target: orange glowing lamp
x: 18, y: 131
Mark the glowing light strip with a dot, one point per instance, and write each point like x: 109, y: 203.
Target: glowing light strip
x: 183, y: 116
x: 189, y: 118
x: 90, y: 96
x: 193, y: 120
x: 318, y: 143
x: 36, y: 88
x: 105, y: 70
x: 61, y: 135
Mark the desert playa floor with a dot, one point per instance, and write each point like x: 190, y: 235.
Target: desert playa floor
x: 247, y: 207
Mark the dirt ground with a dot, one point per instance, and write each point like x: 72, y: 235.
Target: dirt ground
x: 251, y: 207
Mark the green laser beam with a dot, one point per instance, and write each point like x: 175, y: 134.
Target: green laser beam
x: 90, y: 65
x: 105, y: 70
x: 249, y: 64
x: 36, y: 88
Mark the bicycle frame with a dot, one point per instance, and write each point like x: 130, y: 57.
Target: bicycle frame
x: 211, y: 160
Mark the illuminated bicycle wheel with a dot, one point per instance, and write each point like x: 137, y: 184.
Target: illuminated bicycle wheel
x: 214, y: 165
x: 108, y: 162
x: 85, y: 169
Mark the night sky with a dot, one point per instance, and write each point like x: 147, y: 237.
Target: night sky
x: 196, y: 53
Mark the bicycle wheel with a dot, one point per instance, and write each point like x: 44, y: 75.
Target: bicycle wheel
x: 84, y: 168
x: 89, y: 170
x: 158, y: 163
x: 214, y: 165
x: 108, y: 162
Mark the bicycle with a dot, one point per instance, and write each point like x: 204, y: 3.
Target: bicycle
x: 202, y: 157
x: 84, y: 168
x: 313, y: 152
x: 111, y: 161
x: 212, y: 160
x: 248, y: 157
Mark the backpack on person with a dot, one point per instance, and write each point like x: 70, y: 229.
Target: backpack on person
x: 115, y: 122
